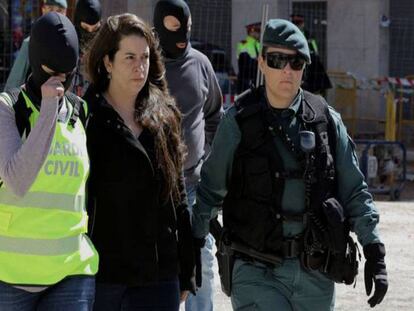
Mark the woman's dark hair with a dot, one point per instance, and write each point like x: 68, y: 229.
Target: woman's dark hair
x: 155, y: 109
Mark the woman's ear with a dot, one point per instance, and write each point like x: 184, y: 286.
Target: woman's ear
x: 107, y: 64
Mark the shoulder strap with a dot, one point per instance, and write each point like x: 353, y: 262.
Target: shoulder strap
x: 325, y: 130
x: 22, y: 113
x: 14, y: 93
x: 80, y: 109
x: 247, y: 103
x: 316, y: 110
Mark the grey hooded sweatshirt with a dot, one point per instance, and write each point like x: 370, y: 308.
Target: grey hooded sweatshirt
x: 193, y: 84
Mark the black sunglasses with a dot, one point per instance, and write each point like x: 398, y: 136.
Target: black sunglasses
x: 278, y: 60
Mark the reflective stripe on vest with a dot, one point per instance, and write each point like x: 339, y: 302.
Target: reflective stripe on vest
x: 46, y: 247
x: 62, y: 201
x: 42, y: 235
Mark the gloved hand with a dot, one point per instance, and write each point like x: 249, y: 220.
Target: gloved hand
x: 375, y: 272
x: 198, y: 245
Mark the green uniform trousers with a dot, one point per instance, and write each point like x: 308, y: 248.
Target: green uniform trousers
x: 257, y: 287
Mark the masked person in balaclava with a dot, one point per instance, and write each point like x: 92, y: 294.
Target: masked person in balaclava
x: 21, y: 66
x: 87, y: 20
x: 172, y: 21
x: 53, y: 51
x: 192, y: 82
x: 46, y: 258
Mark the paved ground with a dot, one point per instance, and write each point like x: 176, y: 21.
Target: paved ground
x: 397, y: 229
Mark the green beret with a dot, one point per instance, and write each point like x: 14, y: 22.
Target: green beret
x: 61, y: 3
x: 282, y: 33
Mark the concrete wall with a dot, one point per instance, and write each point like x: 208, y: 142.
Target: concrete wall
x: 142, y: 8
x: 356, y: 42
x: 112, y: 7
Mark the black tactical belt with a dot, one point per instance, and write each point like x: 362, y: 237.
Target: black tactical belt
x: 291, y: 248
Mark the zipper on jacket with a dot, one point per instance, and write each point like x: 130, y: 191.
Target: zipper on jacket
x: 156, y: 252
x: 92, y: 218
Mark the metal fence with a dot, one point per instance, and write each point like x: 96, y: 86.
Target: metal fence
x: 218, y: 26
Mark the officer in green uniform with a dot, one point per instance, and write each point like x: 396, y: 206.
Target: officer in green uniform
x: 247, y: 54
x: 285, y: 172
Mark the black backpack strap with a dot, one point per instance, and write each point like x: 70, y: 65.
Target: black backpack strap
x: 21, y: 111
x: 80, y: 109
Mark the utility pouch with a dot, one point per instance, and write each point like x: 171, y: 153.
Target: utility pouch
x: 341, y: 263
x: 225, y: 259
x: 335, y: 225
x: 225, y: 255
x: 343, y: 267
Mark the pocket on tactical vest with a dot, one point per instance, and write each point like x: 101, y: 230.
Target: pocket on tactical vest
x: 258, y: 181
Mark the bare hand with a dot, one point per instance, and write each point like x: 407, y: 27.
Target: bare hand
x: 52, y: 88
x: 183, y: 295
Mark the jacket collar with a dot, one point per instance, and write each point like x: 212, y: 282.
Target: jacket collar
x: 107, y: 115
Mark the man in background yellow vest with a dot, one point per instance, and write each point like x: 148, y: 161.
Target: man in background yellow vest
x: 247, y: 54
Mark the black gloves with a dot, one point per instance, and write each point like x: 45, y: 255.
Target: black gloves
x: 198, y: 245
x: 375, y: 272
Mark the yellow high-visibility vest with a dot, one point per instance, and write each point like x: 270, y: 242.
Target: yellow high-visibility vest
x: 43, y: 234
x: 250, y: 46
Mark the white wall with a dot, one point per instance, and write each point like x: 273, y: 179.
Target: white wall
x: 355, y: 40
x: 142, y: 8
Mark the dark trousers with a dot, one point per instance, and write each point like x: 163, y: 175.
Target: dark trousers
x: 70, y: 294
x: 162, y: 296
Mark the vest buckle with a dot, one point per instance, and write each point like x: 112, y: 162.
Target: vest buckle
x: 292, y: 248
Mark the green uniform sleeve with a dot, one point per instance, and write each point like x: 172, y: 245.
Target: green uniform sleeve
x: 216, y: 174
x: 21, y: 65
x: 352, y: 189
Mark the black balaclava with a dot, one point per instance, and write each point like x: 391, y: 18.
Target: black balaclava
x: 169, y: 39
x: 53, y: 43
x: 89, y: 12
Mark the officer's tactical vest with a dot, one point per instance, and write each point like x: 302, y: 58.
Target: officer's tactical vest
x: 43, y: 234
x: 252, y: 208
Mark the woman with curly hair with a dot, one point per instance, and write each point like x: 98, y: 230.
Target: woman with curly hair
x: 141, y: 226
